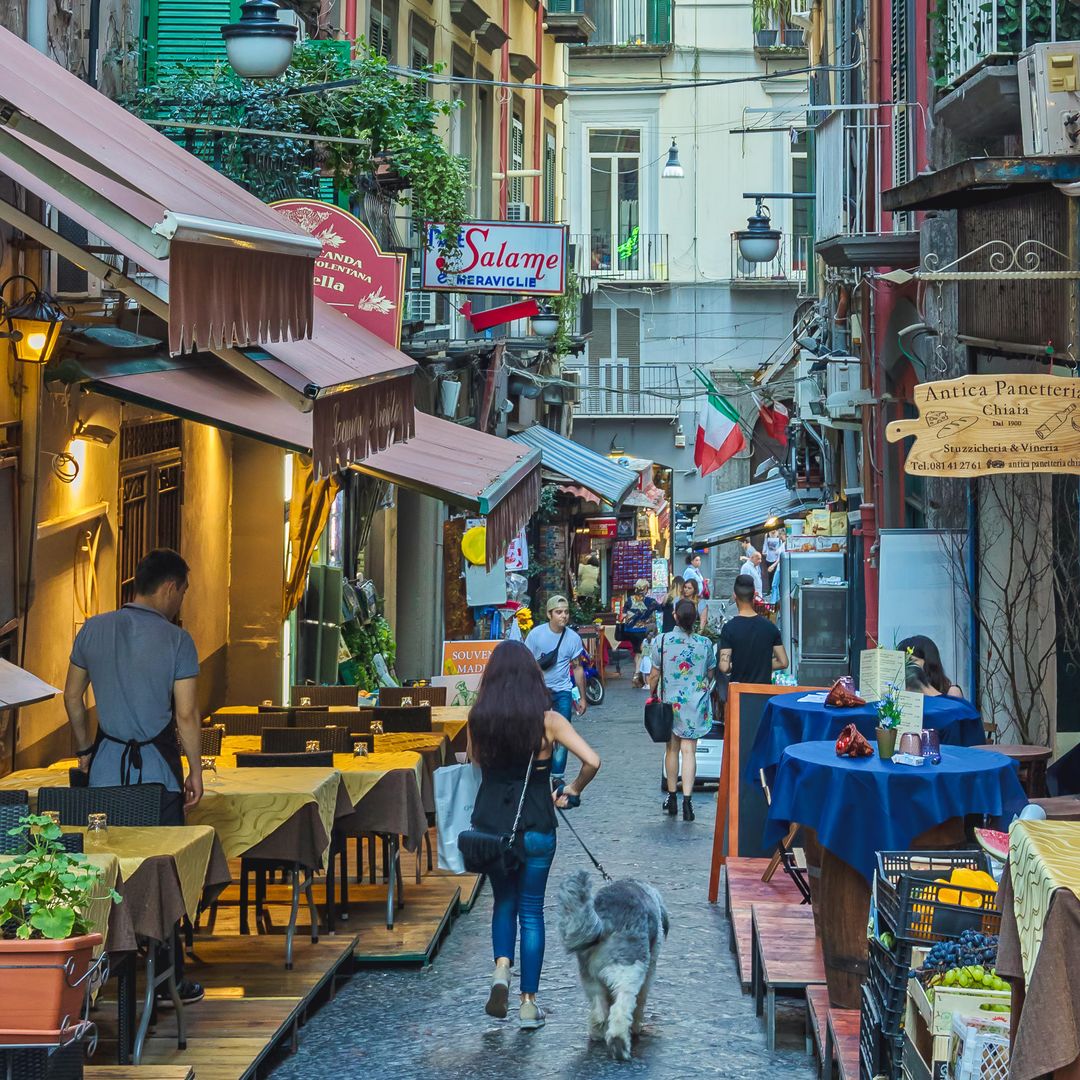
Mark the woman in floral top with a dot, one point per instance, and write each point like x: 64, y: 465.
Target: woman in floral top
x: 689, y: 663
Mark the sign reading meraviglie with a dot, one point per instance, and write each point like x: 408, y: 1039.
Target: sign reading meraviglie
x: 498, y: 257
x: 352, y: 274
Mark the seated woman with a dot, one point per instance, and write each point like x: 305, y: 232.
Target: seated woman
x: 916, y: 680
x: 925, y: 654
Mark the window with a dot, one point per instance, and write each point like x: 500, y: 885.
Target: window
x: 903, y: 131
x: 381, y: 30
x: 516, y: 187
x: 614, y: 362
x: 614, y: 198
x: 463, y: 116
x: 485, y: 131
x: 421, y: 47
x: 800, y: 208
x: 551, y: 211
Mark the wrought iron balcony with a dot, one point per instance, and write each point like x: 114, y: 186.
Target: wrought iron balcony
x: 634, y: 25
x: 609, y: 389
x: 637, y: 256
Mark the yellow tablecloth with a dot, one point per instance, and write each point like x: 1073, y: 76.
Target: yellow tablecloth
x: 448, y: 719
x: 361, y: 774
x: 231, y: 745
x: 244, y: 806
x: 32, y: 779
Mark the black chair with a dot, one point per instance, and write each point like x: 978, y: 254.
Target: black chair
x: 313, y: 717
x: 301, y: 877
x: 295, y: 740
x: 210, y: 741
x: 323, y: 695
x: 364, y: 737
x: 72, y: 842
x: 130, y: 805
x: 9, y: 819
x: 409, y: 719
x: 15, y: 798
x: 402, y: 696
x: 251, y: 723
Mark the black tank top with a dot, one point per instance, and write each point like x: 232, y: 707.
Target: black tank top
x: 500, y: 790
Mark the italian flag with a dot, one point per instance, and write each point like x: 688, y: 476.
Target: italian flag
x: 774, y: 419
x: 719, y: 437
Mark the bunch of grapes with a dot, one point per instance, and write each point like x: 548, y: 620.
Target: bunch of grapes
x: 967, y: 962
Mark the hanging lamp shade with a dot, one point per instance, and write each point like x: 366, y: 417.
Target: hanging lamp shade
x: 34, y: 323
x: 259, y: 46
x: 673, y: 169
x: 759, y: 241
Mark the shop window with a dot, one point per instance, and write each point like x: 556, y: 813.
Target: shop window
x: 150, y: 495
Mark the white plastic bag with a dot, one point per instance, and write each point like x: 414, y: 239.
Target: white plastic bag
x: 646, y: 664
x: 455, y: 794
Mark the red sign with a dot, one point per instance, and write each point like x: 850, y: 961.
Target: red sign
x: 602, y: 528
x: 352, y: 274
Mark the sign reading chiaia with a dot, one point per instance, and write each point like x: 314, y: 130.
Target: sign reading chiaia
x: 985, y: 424
x: 497, y: 257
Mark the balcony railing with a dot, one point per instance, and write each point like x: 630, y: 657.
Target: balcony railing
x: 636, y: 256
x: 788, y: 268
x: 619, y: 388
x: 975, y: 32
x: 623, y: 23
x: 780, y: 38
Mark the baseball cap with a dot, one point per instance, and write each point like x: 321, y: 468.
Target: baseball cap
x: 554, y: 602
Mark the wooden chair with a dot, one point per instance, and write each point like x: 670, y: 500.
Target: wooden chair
x: 414, y: 719
x: 400, y: 696
x: 1032, y: 762
x: 251, y: 723
x: 323, y: 695
x: 792, y: 859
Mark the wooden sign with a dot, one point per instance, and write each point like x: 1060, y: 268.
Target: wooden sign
x: 466, y: 657
x: 984, y: 424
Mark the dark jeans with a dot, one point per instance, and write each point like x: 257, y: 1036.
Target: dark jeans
x: 519, y: 898
x: 562, y: 702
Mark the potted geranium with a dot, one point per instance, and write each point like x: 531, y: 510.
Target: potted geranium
x: 888, y: 712
x: 46, y: 944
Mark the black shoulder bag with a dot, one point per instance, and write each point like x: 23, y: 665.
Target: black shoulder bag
x: 659, y: 715
x: 483, y: 852
x: 547, y: 660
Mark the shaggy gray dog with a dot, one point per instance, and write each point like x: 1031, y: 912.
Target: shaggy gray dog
x: 616, y: 936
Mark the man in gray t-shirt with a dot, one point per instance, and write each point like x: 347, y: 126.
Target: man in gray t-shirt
x: 143, y: 669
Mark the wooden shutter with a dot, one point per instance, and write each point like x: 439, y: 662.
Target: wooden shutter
x: 517, y: 159
x: 903, y: 149
x: 550, y: 165
x: 184, y: 31
x: 628, y: 339
x: 599, y: 355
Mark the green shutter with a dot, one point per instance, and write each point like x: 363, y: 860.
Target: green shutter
x: 184, y: 31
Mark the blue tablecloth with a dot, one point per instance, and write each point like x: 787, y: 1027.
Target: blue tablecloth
x: 860, y: 806
x: 787, y: 720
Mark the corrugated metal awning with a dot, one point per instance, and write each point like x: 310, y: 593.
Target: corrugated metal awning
x: 746, y: 509
x: 608, y: 479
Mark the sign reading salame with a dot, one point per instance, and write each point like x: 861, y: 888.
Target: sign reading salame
x: 497, y: 257
x: 985, y: 424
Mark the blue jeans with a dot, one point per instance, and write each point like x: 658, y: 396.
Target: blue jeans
x: 563, y: 703
x: 519, y: 897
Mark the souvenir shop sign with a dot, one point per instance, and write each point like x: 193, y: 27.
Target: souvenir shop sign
x: 466, y: 657
x: 985, y: 424
x: 352, y: 274
x: 602, y: 528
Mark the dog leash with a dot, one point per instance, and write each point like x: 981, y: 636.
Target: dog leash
x: 603, y: 873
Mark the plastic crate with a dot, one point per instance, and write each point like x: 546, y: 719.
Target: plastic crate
x: 909, y: 898
x: 888, y: 982
x: 879, y: 1052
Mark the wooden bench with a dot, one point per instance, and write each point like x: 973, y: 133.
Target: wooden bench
x: 786, y: 955
x: 842, y: 1044
x: 741, y: 934
x: 743, y: 885
x: 139, y: 1072
x: 817, y: 1012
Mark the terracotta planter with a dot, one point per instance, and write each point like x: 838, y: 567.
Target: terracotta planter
x: 35, y: 991
x: 886, y: 742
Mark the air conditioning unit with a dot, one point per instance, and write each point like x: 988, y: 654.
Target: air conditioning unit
x: 843, y: 387
x: 419, y: 305
x: 66, y: 280
x: 575, y: 376
x: 800, y: 12
x: 293, y: 18
x: 517, y: 211
x: 1049, y: 76
x: 808, y: 388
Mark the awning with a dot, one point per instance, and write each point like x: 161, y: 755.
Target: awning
x: 577, y: 463
x: 470, y: 469
x: 240, y: 273
x: 19, y: 687
x: 746, y: 509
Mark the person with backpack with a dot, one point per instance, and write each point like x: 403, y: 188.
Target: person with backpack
x: 683, y: 667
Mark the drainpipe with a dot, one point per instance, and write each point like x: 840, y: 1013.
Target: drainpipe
x: 37, y: 25
x: 505, y: 101
x: 868, y: 530
x: 93, y: 36
x: 538, y: 116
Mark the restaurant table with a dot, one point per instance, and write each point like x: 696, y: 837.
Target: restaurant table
x: 786, y: 720
x: 1039, y: 948
x: 859, y: 806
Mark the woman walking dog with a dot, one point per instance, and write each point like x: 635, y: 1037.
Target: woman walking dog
x: 512, y: 734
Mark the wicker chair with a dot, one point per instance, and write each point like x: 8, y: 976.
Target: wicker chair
x: 323, y: 695
x: 9, y: 819
x: 416, y: 718
x: 15, y: 798
x: 321, y: 759
x: 398, y: 696
x: 210, y: 741
x: 72, y: 842
x: 364, y: 737
x: 134, y: 804
x: 295, y: 740
x: 251, y: 723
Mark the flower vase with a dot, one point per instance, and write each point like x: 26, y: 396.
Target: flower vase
x: 886, y: 742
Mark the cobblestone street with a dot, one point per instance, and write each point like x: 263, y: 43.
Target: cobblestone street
x: 431, y: 1023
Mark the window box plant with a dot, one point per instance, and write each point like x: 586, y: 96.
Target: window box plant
x: 46, y: 942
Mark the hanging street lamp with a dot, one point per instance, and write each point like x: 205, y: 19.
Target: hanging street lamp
x: 545, y: 323
x: 673, y: 169
x: 33, y: 322
x: 759, y: 241
x: 259, y: 46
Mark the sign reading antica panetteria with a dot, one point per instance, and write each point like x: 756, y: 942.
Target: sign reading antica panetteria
x: 985, y: 424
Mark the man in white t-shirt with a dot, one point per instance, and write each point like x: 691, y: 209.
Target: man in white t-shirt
x: 752, y: 568
x: 558, y: 637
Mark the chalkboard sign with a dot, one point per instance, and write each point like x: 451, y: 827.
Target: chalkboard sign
x: 741, y: 808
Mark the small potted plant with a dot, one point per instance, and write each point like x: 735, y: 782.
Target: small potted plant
x: 46, y: 943
x: 888, y: 712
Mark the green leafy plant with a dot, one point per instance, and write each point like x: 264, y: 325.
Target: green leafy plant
x: 548, y: 506
x: 768, y: 14
x: 583, y: 610
x: 46, y: 892
x: 566, y: 308
x: 888, y: 710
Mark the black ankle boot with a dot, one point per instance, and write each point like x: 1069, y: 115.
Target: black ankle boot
x: 687, y: 808
x: 671, y: 805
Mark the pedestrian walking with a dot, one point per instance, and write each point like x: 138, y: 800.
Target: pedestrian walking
x: 771, y: 550
x: 693, y: 570
x: 667, y: 609
x: 751, y: 648
x: 690, y: 592
x: 512, y: 737
x: 751, y: 567
x: 557, y: 648
x: 684, y: 665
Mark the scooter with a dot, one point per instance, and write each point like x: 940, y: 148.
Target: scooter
x: 594, y: 687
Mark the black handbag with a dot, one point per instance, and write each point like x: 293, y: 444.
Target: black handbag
x: 483, y: 852
x: 659, y: 715
x: 547, y: 660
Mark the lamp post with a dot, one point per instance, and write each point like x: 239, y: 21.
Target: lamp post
x: 759, y: 241
x: 259, y: 46
x: 33, y: 322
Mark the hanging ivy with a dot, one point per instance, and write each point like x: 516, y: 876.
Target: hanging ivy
x: 394, y: 121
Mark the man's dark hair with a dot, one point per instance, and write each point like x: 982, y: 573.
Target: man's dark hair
x: 159, y: 566
x: 744, y: 589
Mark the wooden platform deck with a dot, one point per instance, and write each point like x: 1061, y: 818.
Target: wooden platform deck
x: 842, y: 1043
x: 741, y: 932
x: 139, y: 1072
x: 743, y: 885
x: 817, y: 1013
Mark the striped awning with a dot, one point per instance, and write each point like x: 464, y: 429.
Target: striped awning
x: 578, y: 464
x: 746, y: 509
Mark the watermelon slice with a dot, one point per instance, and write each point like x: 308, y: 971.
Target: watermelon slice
x: 994, y: 843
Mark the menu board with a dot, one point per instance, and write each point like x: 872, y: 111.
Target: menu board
x: 880, y: 669
x: 911, y: 711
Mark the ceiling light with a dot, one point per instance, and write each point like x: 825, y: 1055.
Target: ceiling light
x: 673, y: 169
x: 759, y: 242
x: 259, y: 46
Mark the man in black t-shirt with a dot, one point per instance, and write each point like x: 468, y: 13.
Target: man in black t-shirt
x: 750, y: 645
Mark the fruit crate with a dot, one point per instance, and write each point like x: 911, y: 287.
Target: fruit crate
x: 909, y: 896
x: 889, y: 971
x: 879, y: 1052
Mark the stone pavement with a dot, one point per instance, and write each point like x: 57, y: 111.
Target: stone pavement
x: 431, y: 1023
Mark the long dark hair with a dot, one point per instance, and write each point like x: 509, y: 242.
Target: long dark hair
x: 686, y: 614
x: 922, y: 647
x: 506, y: 724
